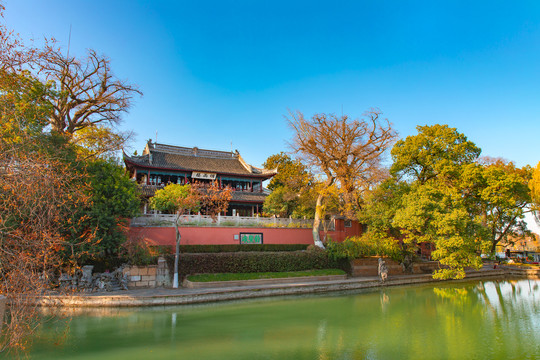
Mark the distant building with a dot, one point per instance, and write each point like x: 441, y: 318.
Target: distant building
x: 162, y: 164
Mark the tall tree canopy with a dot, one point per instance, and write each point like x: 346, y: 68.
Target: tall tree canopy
x: 88, y: 92
x: 500, y: 193
x: 344, y: 150
x: 292, y: 188
x: 535, y: 187
x: 437, y: 151
x: 441, y: 193
x: 291, y: 172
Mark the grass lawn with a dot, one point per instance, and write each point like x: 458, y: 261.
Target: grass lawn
x: 267, y: 275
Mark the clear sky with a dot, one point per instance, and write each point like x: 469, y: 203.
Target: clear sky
x: 216, y: 72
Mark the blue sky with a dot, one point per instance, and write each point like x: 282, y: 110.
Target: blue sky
x: 216, y: 72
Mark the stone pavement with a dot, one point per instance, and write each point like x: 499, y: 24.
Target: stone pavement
x: 180, y: 296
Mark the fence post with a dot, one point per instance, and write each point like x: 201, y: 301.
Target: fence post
x: 237, y: 219
x: 3, y: 301
x: 219, y: 218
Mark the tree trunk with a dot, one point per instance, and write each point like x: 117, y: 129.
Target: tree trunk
x: 176, y: 253
x: 493, y: 247
x: 317, y: 223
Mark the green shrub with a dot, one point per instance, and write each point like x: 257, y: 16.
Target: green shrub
x: 253, y: 262
x: 363, y: 246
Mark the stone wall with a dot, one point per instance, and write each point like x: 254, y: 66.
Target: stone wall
x: 369, y: 267
x: 223, y: 235
x: 149, y: 276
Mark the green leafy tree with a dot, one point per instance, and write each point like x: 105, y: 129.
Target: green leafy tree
x: 291, y: 173
x: 433, y: 208
x: 113, y: 200
x: 442, y: 194
x: 292, y: 188
x: 500, y: 193
x: 281, y: 202
x: 437, y: 152
x: 378, y: 212
x: 438, y: 214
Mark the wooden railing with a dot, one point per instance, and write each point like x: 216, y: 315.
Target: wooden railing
x: 168, y: 220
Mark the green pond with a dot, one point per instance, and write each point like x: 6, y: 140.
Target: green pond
x: 459, y: 320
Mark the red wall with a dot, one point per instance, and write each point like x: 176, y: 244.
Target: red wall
x: 225, y: 235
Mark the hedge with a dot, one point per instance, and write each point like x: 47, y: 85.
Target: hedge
x: 234, y: 248
x: 250, y: 262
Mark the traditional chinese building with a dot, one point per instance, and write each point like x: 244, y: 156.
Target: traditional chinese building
x: 162, y: 164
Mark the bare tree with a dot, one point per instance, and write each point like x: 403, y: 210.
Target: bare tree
x: 89, y: 93
x: 347, y: 152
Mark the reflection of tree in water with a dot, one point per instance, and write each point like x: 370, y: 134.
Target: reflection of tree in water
x: 457, y: 295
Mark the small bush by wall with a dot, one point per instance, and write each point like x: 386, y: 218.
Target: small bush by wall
x: 247, y: 262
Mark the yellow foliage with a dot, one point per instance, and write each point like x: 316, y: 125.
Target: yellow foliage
x: 534, y: 185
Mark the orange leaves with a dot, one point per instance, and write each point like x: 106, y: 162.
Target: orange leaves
x: 213, y: 199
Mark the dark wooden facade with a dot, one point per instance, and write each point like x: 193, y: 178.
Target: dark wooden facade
x: 162, y: 164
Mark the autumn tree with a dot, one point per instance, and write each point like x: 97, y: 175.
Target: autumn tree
x: 345, y: 151
x: 37, y: 197
x: 89, y: 93
x: 534, y: 186
x: 43, y: 178
x: 212, y: 199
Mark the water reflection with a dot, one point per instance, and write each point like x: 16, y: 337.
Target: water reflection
x: 452, y: 321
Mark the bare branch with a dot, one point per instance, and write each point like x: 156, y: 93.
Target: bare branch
x: 88, y: 92
x: 349, y: 151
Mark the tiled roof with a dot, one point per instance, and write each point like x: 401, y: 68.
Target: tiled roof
x: 194, y: 159
x: 248, y: 196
